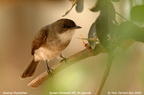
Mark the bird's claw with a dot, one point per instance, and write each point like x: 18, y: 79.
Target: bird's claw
x: 64, y: 60
x: 49, y: 71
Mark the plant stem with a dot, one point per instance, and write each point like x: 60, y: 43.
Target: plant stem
x: 106, y: 73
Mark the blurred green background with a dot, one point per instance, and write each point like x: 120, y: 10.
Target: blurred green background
x: 21, y: 19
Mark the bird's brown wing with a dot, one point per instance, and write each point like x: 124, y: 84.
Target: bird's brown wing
x: 40, y: 39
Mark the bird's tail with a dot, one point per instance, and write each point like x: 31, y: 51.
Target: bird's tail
x: 30, y: 69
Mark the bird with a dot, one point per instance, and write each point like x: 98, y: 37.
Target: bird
x: 49, y: 42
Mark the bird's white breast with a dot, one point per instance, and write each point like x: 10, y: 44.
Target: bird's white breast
x: 44, y: 53
x: 66, y: 36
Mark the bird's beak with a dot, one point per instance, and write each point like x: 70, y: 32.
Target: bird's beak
x: 77, y: 27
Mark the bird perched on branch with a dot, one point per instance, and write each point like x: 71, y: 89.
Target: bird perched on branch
x: 49, y: 43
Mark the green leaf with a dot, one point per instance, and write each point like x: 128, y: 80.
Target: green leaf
x: 105, y: 25
x: 137, y: 13
x: 128, y: 30
x: 115, y: 0
x: 92, y: 35
x: 80, y: 6
x: 98, y: 5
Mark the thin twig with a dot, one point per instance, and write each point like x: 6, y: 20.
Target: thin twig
x: 121, y: 16
x: 70, y: 61
x: 73, y: 4
x: 87, y: 45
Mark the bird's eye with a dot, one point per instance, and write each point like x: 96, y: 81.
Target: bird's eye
x: 65, y: 26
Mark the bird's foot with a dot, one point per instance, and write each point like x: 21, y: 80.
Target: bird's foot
x: 50, y: 71
x: 64, y: 60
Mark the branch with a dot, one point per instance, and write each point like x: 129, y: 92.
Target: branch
x: 73, y: 4
x: 70, y: 61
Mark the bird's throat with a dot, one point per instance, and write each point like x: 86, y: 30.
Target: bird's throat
x: 66, y: 36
